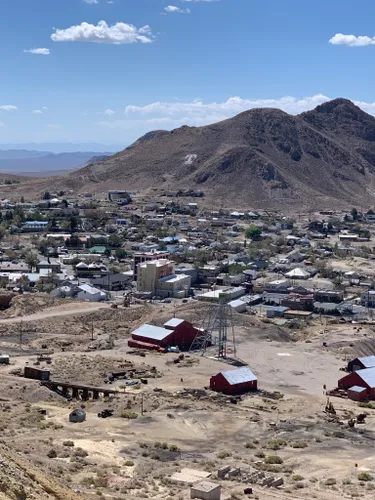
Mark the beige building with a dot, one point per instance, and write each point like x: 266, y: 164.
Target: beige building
x: 158, y: 278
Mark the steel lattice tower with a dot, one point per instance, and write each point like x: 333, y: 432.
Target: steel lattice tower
x: 218, y: 322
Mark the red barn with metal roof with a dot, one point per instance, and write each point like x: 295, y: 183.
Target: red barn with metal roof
x: 174, y: 333
x: 234, y: 381
x: 361, y: 378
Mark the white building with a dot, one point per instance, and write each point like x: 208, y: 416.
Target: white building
x: 90, y: 294
x: 158, y: 278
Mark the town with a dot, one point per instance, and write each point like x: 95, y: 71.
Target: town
x: 135, y: 327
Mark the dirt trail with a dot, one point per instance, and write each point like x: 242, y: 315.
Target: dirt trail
x: 78, y: 308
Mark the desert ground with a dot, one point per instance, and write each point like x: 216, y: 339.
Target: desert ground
x: 174, y: 421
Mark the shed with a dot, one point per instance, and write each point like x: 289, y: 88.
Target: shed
x: 238, y: 305
x: 206, y: 490
x: 361, y: 363
x: 234, y: 381
x: 361, y: 378
x: 77, y: 415
x: 357, y: 393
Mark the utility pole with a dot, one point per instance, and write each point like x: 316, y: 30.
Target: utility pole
x: 142, y: 408
x: 21, y: 333
x: 92, y: 330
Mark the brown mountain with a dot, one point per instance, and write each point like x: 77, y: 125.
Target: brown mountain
x: 259, y: 158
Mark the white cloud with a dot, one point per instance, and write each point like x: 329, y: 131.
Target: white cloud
x: 117, y: 34
x: 352, y: 40
x: 2, y: 124
x: 172, y: 114
x: 37, y: 111
x: 91, y: 1
x: 39, y: 51
x: 198, y: 112
x: 8, y: 107
x: 44, y: 107
x: 109, y: 112
x: 172, y: 9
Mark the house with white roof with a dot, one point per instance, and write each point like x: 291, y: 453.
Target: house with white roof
x: 90, y: 294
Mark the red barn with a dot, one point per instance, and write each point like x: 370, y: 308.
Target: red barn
x: 175, y: 333
x: 234, y: 381
x: 361, y: 378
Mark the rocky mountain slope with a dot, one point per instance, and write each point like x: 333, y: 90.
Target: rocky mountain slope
x: 259, y: 158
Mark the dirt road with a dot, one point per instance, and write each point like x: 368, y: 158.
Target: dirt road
x: 78, y: 308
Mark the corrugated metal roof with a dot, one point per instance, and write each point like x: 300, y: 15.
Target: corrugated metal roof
x: 368, y: 376
x: 152, y: 332
x: 174, y: 322
x: 367, y: 361
x: 356, y: 388
x: 239, y: 376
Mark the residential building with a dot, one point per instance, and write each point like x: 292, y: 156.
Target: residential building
x: 120, y: 197
x: 34, y: 226
x: 278, y: 286
x: 368, y: 298
x: 50, y: 266
x: 90, y: 294
x: 112, y: 282
x: 335, y: 296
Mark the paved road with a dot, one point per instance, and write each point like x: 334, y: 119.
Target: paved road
x: 57, y: 311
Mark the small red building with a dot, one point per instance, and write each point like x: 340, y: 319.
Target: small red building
x: 174, y: 333
x: 233, y: 382
x: 361, y: 378
x: 357, y: 393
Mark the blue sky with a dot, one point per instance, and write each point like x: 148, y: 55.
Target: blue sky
x: 109, y: 71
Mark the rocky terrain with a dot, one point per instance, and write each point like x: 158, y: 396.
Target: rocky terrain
x: 262, y: 158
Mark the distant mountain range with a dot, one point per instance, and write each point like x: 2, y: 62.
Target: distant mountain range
x: 44, y: 163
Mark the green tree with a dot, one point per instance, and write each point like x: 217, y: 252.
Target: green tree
x: 114, y: 241
x: 253, y: 233
x: 46, y: 196
x: 120, y: 253
x: 354, y: 213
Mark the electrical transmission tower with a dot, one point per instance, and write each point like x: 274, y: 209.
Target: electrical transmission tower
x: 217, y: 329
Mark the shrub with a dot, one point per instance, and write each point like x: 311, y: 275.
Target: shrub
x: 260, y: 454
x: 298, y: 477
x: 300, y: 444
x: 174, y: 448
x: 331, y: 481
x: 276, y: 444
x: 367, y: 404
x: 52, y: 453
x: 79, y: 452
x: 250, y: 446
x: 129, y: 463
x: 128, y: 414
x: 364, y: 476
x: 224, y: 454
x: 68, y: 443
x: 273, y: 460
x: 162, y: 446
